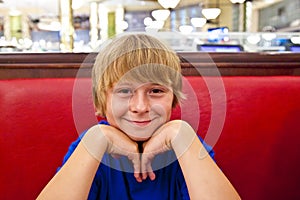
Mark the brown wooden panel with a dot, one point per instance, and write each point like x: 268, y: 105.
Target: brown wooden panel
x: 48, y: 65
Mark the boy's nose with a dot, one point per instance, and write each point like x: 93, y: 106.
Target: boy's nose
x: 139, y: 103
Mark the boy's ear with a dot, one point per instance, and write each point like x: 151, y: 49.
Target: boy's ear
x: 98, y: 112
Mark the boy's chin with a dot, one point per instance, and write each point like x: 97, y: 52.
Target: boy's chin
x: 139, y: 139
x: 139, y: 135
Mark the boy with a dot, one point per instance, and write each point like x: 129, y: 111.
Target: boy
x: 138, y: 153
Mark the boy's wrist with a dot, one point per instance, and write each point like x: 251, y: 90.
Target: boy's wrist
x: 95, y: 142
x: 182, y: 137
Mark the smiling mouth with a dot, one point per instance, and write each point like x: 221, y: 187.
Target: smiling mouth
x: 140, y: 123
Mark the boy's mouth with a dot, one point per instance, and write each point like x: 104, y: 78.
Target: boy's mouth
x: 141, y: 123
x: 140, y: 129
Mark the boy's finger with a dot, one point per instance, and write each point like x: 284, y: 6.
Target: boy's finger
x: 152, y: 176
x: 138, y: 177
x: 136, y: 167
x: 146, y: 167
x: 144, y: 170
x: 150, y: 172
x: 144, y: 163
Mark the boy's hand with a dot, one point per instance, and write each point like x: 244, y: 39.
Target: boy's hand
x: 164, y: 139
x: 174, y: 135
x: 119, y: 144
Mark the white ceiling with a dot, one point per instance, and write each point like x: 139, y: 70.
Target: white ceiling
x: 52, y: 6
x: 40, y: 7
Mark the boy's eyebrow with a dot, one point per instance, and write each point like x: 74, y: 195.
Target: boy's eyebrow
x: 130, y: 84
x: 155, y: 84
x: 119, y: 85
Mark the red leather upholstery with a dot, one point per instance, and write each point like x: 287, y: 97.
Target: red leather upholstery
x: 257, y: 148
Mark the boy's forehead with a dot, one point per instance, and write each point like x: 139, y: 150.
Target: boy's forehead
x: 143, y: 76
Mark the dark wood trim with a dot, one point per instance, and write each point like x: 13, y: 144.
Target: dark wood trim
x: 50, y: 65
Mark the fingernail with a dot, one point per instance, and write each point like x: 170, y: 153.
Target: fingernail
x: 144, y: 176
x: 152, y: 177
x: 138, y: 180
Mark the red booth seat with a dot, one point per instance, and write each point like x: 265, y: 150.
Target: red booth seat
x: 254, y: 129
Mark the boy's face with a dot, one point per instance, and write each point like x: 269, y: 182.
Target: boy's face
x: 138, y: 109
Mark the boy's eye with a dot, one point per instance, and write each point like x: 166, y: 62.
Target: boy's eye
x: 124, y: 92
x: 156, y: 90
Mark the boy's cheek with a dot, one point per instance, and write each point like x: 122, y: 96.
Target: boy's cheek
x: 119, y: 106
x: 163, y: 109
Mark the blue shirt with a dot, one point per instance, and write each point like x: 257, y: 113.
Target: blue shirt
x: 114, y: 178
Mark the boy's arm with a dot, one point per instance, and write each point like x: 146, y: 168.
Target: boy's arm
x: 203, y: 177
x: 74, y: 179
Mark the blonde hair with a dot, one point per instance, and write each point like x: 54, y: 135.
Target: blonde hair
x: 145, y: 57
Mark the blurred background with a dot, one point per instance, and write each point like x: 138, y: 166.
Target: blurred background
x: 187, y: 25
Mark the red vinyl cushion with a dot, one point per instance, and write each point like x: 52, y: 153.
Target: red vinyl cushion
x: 257, y: 147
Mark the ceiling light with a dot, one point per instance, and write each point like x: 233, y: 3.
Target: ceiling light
x: 168, y: 3
x: 198, y: 21
x: 237, y: 1
x: 123, y: 25
x: 76, y: 4
x: 211, y: 13
x: 160, y: 15
x: 147, y: 21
